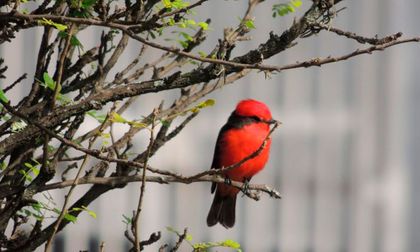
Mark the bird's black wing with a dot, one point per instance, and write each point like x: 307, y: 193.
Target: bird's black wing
x: 217, y: 153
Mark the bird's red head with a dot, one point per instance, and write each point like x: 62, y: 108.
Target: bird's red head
x: 251, y: 108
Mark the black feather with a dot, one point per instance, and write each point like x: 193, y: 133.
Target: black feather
x: 222, y: 210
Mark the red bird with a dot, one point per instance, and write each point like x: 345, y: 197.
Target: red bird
x: 242, y: 135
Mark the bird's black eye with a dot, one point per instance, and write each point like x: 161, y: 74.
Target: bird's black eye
x: 256, y: 118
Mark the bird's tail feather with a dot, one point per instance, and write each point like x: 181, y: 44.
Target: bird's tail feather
x: 222, y: 210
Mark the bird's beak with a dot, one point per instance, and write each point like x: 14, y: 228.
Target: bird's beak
x: 272, y: 121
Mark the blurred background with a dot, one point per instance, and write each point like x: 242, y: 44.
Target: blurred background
x: 345, y: 158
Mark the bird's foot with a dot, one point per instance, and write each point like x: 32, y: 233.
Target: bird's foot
x: 245, y: 187
x: 228, y: 181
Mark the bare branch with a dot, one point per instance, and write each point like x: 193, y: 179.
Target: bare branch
x: 154, y: 237
x: 116, y: 181
x: 327, y: 60
x: 135, y: 223
x: 358, y: 38
x: 181, y: 238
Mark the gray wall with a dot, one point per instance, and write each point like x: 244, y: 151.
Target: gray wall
x: 345, y: 158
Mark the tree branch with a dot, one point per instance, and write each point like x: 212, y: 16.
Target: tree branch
x: 117, y: 181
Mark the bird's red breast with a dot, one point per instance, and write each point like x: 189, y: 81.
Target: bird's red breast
x: 237, y: 144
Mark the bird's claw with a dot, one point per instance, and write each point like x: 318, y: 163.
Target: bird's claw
x: 228, y: 181
x: 245, y: 187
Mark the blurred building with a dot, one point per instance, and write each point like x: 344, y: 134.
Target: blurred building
x: 345, y: 158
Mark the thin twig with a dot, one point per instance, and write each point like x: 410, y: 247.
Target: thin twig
x: 135, y: 222
x: 154, y: 237
x: 329, y: 59
x: 22, y: 77
x: 60, y: 67
x: 181, y: 238
x: 189, y: 7
x: 358, y: 38
x: 102, y: 247
x: 69, y: 159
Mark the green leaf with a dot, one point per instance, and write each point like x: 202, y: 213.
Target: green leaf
x: 164, y: 123
x: 204, y: 245
x: 105, y: 135
x: 3, y: 96
x: 99, y: 117
x: 26, y: 175
x: 63, y: 99
x: 179, y: 4
x: 127, y: 220
x: 186, y: 36
x: 37, y: 206
x: 3, y: 165
x: 74, y: 41
x: 167, y: 3
x: 202, y: 54
x: 184, y: 44
x: 57, y: 26
x: 115, y: 117
x: 191, y: 22
x: 171, y: 21
x: 27, y: 212
x: 171, y: 229
x: 136, y: 124
x: 152, y: 34
x: 286, y: 8
x: 49, y: 82
x: 70, y: 218
x: 6, y: 117
x: 231, y: 244
x: 296, y: 3
x: 83, y: 208
x: 29, y: 165
x: 51, y: 148
x: 87, y: 4
x: 201, y: 105
x: 38, y: 217
x: 62, y: 34
x: 33, y: 169
x: 203, y: 25
x: 91, y: 213
x: 37, y: 213
x: 188, y: 237
x: 250, y: 24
